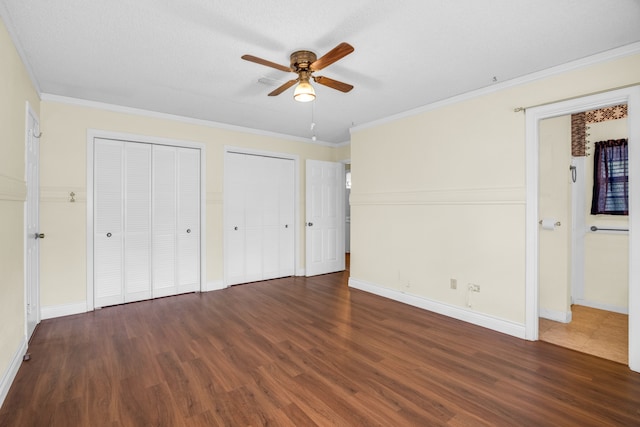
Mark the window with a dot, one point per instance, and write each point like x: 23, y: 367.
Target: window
x: 611, y: 178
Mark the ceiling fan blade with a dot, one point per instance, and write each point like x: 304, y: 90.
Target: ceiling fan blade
x: 334, y: 84
x: 261, y: 61
x: 282, y: 88
x: 338, y: 52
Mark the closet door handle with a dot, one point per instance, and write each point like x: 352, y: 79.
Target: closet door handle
x: 286, y: 226
x: 235, y: 228
x: 108, y: 234
x: 188, y: 230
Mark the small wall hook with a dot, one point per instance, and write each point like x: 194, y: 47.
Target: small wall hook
x: 574, y: 173
x: 33, y: 133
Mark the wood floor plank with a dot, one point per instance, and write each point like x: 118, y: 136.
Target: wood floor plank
x: 304, y: 352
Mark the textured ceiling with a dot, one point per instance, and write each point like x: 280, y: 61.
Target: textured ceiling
x: 182, y: 57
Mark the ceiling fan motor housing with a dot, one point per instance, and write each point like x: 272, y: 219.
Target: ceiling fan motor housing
x: 301, y: 60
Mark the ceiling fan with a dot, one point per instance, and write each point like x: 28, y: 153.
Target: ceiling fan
x: 305, y: 63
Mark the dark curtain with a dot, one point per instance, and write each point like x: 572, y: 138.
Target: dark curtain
x: 611, y: 178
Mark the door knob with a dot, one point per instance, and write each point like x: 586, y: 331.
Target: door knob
x: 188, y: 230
x: 235, y: 228
x: 39, y: 236
x: 310, y: 224
x: 108, y: 234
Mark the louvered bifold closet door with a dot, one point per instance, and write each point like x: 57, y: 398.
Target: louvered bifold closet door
x: 286, y: 213
x: 137, y: 218
x: 164, y: 216
x: 235, y: 183
x: 188, y: 233
x: 270, y: 210
x: 259, y: 206
x: 108, y: 223
x: 254, y: 202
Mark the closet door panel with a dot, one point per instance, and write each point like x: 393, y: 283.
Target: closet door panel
x: 188, y: 234
x: 253, y: 215
x: 270, y: 253
x: 253, y: 254
x: 270, y: 208
x: 164, y: 221
x: 108, y: 224
x: 137, y: 216
x: 235, y: 183
x: 286, y: 239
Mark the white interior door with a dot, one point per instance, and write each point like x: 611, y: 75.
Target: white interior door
x: 325, y: 217
x: 32, y: 224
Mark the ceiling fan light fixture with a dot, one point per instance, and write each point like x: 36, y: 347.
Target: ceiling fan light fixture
x: 304, y: 92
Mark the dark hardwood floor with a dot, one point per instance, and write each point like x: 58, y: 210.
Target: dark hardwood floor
x: 304, y: 352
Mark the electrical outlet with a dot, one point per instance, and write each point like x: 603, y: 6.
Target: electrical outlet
x: 453, y: 284
x: 474, y: 288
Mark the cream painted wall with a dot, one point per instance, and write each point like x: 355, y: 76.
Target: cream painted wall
x: 555, y: 202
x: 63, y: 158
x: 606, y: 255
x: 441, y: 194
x: 341, y: 153
x: 16, y: 90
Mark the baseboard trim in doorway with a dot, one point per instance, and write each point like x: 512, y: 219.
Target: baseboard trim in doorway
x: 600, y: 306
x: 556, y: 316
x: 499, y: 325
x: 12, y: 370
x: 53, y: 311
x: 214, y: 285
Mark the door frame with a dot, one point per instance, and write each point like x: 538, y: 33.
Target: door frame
x: 92, y: 134
x: 29, y: 111
x: 533, y: 116
x: 296, y: 214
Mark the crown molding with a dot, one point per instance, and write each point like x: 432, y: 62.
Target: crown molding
x: 48, y: 97
x: 620, y: 52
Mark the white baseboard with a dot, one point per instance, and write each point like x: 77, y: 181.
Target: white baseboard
x: 214, y: 285
x: 12, y: 370
x: 600, y: 306
x: 54, y: 311
x: 460, y: 313
x: 556, y: 316
x: 301, y: 272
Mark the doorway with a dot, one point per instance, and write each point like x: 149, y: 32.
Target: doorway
x: 631, y: 97
x: 583, y: 261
